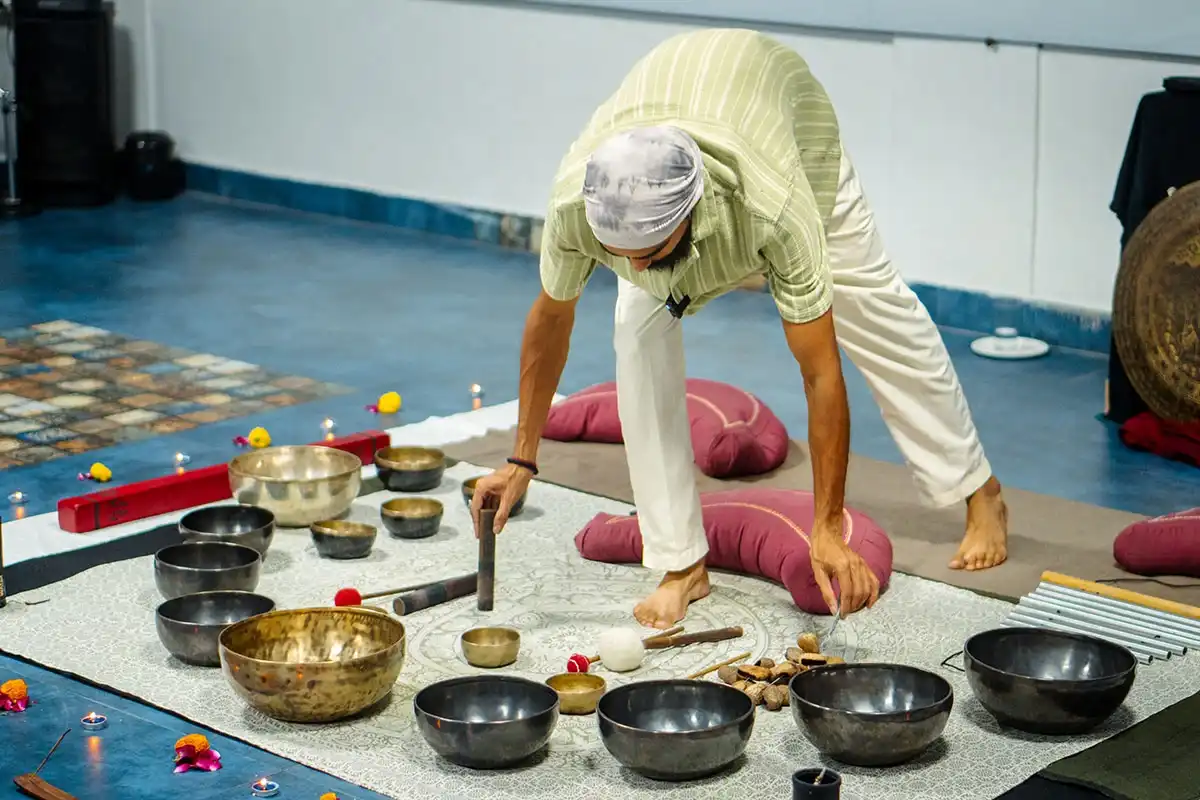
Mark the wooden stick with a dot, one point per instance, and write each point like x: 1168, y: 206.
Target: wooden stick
x: 486, y: 590
x: 646, y: 641
x: 435, y: 594
x: 401, y: 590
x: 1124, y: 595
x: 736, y: 659
x: 718, y: 635
x: 37, y: 787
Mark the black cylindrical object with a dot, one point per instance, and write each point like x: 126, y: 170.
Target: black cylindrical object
x: 151, y: 170
x: 806, y: 787
x: 486, y: 591
x: 435, y: 594
x: 64, y: 88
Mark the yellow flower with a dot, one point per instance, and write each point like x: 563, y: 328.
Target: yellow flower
x: 389, y: 403
x: 100, y: 472
x: 259, y: 438
x: 14, y: 690
x: 196, y: 740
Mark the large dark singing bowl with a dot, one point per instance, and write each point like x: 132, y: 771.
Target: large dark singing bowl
x: 206, y: 567
x: 313, y: 664
x: 1043, y: 681
x: 468, y: 492
x: 248, y: 525
x: 189, y: 626
x: 871, y: 715
x: 675, y: 730
x: 410, y: 469
x: 486, y: 721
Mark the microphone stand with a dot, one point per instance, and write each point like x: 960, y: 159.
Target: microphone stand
x: 12, y: 206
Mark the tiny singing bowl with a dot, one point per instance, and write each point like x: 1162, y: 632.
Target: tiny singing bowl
x: 412, y: 517
x: 578, y: 692
x: 491, y: 647
x: 341, y: 539
x: 410, y: 469
x: 468, y: 491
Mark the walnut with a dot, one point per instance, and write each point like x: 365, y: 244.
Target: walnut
x: 755, y: 693
x: 775, y: 697
x: 766, y: 662
x: 728, y: 675
x: 754, y: 673
x: 794, y: 654
x: 785, y: 670
x: 808, y: 643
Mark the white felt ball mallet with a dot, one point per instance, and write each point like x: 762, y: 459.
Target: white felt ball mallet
x: 581, y: 663
x: 621, y: 649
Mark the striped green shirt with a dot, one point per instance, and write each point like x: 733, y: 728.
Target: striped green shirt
x: 771, y: 152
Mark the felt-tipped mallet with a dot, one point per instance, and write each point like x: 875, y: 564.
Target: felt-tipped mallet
x: 350, y: 596
x: 578, y: 662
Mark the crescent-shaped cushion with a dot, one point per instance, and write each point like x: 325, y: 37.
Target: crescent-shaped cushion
x: 754, y: 532
x: 1168, y: 545
x: 733, y: 433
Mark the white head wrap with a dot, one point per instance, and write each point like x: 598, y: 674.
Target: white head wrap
x: 640, y: 185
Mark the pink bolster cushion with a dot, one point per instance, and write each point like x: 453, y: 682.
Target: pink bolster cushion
x: 754, y: 532
x: 733, y: 433
x: 1168, y: 545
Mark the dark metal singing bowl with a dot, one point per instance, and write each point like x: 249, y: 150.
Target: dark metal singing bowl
x: 342, y: 539
x: 189, y: 626
x: 410, y: 469
x: 206, y: 567
x: 412, y: 517
x: 468, y: 491
x: 675, y: 730
x: 486, y: 721
x: 248, y: 525
x: 1048, y: 682
x: 871, y: 715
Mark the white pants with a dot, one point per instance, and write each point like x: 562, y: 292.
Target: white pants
x: 882, y: 327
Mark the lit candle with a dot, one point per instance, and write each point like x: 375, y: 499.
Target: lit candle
x: 264, y: 788
x: 476, y: 397
x: 181, y: 459
x: 93, y: 721
x: 329, y: 426
x: 18, y: 498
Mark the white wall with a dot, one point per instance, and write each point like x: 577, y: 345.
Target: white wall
x: 989, y: 169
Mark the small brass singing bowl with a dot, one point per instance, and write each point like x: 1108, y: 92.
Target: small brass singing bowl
x: 491, y: 647
x: 337, y: 538
x: 412, y: 517
x: 410, y: 469
x: 468, y: 491
x: 578, y: 692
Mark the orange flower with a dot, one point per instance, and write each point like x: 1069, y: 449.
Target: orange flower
x: 328, y: 796
x: 194, y: 740
x: 14, y: 690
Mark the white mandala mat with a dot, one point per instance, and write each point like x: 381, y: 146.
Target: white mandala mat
x: 561, y: 604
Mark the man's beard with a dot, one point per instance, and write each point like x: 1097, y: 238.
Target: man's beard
x: 682, y: 250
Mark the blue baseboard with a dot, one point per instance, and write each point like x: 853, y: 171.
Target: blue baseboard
x: 954, y: 308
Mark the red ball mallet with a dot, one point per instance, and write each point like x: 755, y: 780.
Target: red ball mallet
x: 578, y: 662
x: 350, y: 596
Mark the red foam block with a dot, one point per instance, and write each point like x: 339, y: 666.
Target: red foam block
x: 108, y: 507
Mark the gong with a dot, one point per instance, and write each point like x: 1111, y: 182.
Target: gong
x: 1156, y: 307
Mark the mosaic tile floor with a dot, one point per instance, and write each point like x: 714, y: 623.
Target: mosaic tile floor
x: 67, y: 388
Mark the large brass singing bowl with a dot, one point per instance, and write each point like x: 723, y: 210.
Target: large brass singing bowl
x: 300, y: 484
x: 313, y: 664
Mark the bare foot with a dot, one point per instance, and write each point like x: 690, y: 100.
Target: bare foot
x: 985, y: 544
x: 669, y: 602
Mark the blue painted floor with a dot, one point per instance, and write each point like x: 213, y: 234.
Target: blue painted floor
x: 379, y: 309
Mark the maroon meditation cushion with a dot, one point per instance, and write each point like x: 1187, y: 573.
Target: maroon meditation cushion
x: 760, y: 532
x: 1168, y: 545
x: 733, y: 433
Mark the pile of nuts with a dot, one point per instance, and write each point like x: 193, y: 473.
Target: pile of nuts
x: 766, y: 681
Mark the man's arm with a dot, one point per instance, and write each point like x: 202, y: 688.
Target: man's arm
x: 814, y: 346
x: 544, y: 350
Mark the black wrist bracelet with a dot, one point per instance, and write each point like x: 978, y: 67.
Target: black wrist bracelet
x: 520, y: 462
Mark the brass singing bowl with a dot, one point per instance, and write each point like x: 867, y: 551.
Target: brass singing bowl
x: 491, y: 647
x: 578, y: 692
x: 341, y: 539
x: 300, y: 484
x: 468, y: 492
x: 412, y: 517
x: 410, y: 469
x: 313, y: 664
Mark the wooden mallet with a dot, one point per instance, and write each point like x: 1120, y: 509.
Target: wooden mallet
x: 486, y: 590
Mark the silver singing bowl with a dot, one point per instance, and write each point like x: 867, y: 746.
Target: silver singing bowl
x: 206, y: 567
x: 871, y: 715
x: 189, y: 626
x: 300, y: 484
x: 248, y: 525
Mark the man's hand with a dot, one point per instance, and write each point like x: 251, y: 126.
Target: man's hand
x: 833, y: 559
x: 501, y: 490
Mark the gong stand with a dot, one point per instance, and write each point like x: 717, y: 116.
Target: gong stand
x: 12, y: 206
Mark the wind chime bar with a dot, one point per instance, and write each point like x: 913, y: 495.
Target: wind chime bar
x: 1116, y: 625
x: 1162, y: 629
x: 1049, y: 621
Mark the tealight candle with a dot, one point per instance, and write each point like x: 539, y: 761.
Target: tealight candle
x: 18, y: 498
x: 181, y: 460
x: 264, y: 788
x: 93, y: 721
x: 329, y: 426
x: 476, y: 397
